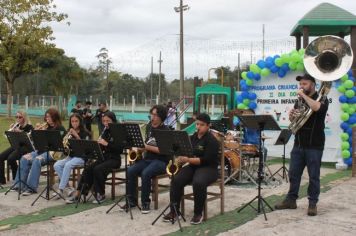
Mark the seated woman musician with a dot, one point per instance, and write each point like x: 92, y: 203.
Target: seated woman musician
x: 252, y: 136
x: 96, y: 173
x: 201, y: 171
x: 22, y: 124
x: 64, y: 167
x: 31, y: 163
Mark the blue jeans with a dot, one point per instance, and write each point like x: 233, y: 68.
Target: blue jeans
x: 64, y: 167
x: 31, y: 169
x: 146, y: 169
x: 301, y: 157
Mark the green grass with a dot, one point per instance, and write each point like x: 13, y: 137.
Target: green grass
x: 233, y: 219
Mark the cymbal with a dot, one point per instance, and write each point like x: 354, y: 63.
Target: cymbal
x: 265, y: 137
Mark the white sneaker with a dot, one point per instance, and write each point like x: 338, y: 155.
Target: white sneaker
x: 27, y: 193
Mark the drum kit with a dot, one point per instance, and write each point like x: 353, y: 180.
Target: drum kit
x: 238, y: 156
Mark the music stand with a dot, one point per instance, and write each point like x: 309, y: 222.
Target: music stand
x: 283, y: 139
x: 260, y: 123
x: 173, y: 143
x: 86, y: 149
x: 21, y: 142
x: 46, y: 141
x: 126, y: 135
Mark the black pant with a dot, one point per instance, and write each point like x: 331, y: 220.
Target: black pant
x: 88, y: 125
x: 11, y: 156
x: 95, y: 175
x: 200, y: 177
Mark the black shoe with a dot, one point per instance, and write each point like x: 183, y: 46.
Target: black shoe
x: 99, y: 199
x: 145, y: 208
x: 312, y: 210
x: 126, y: 207
x: 286, y: 204
x: 170, y: 217
x: 196, y: 220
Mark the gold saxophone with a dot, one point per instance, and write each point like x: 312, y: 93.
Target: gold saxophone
x: 173, y: 168
x: 66, y: 143
x: 134, y: 155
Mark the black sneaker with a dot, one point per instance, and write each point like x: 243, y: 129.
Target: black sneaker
x: 145, y: 208
x: 170, y: 217
x: 196, y: 220
x: 126, y: 207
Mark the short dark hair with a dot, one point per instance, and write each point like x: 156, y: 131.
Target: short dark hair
x: 204, y: 118
x: 161, y: 111
x: 88, y: 103
x: 77, y: 102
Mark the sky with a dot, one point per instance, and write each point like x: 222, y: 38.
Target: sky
x: 135, y: 30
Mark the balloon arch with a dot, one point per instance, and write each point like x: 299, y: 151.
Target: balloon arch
x: 293, y: 61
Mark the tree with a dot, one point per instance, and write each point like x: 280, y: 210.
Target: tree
x: 103, y: 66
x: 25, y: 34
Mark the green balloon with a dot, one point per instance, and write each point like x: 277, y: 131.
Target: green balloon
x: 344, y: 78
x: 345, y: 136
x: 244, y: 75
x: 246, y: 101
x: 265, y: 72
x: 292, y: 65
x: 286, y: 58
x: 301, y: 51
x: 341, y: 89
x: 255, y: 69
x: 240, y: 106
x: 345, y: 145
x: 351, y: 110
x: 345, y: 116
x: 300, y: 66
x: 249, y: 82
x: 278, y: 62
x: 345, y: 106
x: 345, y: 154
x: 295, y: 57
x: 348, y: 84
x: 350, y: 93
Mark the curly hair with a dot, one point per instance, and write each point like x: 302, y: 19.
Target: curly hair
x: 161, y: 111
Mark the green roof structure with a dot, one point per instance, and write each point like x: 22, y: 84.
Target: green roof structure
x: 326, y: 19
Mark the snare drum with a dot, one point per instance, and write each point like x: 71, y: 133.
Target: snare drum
x: 248, y: 148
x: 231, y: 145
x: 218, y: 135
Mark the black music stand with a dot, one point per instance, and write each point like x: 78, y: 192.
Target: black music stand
x: 173, y: 143
x: 21, y: 142
x: 260, y: 123
x: 87, y: 150
x: 283, y: 139
x: 126, y: 135
x: 46, y: 141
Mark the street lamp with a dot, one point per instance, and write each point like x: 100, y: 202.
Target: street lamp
x: 180, y: 9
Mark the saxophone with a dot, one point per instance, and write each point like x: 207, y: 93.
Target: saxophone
x: 327, y: 58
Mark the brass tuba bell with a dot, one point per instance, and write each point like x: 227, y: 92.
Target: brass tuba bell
x: 327, y: 58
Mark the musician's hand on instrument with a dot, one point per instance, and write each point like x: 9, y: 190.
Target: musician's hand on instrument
x: 182, y: 159
x: 103, y: 142
x: 301, y: 93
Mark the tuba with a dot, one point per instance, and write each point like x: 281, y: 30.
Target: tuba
x: 327, y: 58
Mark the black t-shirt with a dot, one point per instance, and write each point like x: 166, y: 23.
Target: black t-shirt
x: 206, y: 148
x: 78, y: 111
x: 60, y: 128
x: 27, y: 128
x: 311, y: 134
x: 87, y: 119
x: 112, y: 150
x: 151, y: 140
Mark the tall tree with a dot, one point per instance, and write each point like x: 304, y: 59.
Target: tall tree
x: 104, y: 65
x: 25, y: 34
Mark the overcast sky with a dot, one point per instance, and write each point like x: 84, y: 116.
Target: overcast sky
x: 127, y: 25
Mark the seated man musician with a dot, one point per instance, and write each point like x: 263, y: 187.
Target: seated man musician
x: 201, y: 171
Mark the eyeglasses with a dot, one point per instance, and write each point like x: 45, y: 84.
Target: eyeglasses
x: 19, y: 117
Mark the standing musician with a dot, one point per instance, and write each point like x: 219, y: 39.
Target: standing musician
x: 87, y: 115
x: 151, y: 165
x: 31, y: 162
x: 77, y: 108
x: 64, y: 167
x: 22, y: 124
x: 308, y: 146
x: 99, y: 115
x: 201, y: 171
x: 95, y: 174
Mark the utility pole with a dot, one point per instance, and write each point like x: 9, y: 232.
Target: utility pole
x: 263, y: 41
x: 180, y: 9
x: 159, y: 76
x: 151, y: 78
